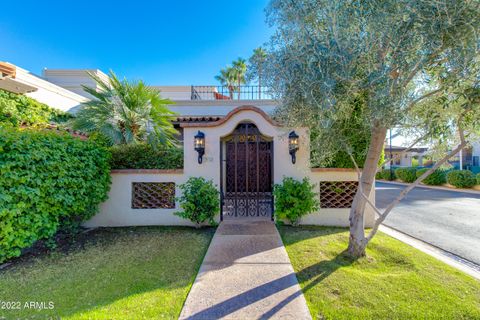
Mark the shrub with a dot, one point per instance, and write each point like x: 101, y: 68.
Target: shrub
x: 199, y: 200
x: 48, y: 181
x: 436, y: 178
x: 294, y: 199
x: 461, y: 178
x: 386, y: 174
x: 144, y: 156
x: 408, y: 175
x: 17, y: 109
x: 478, y: 178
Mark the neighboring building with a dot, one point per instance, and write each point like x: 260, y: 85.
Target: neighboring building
x: 74, y: 79
x: 403, y: 160
x: 18, y: 80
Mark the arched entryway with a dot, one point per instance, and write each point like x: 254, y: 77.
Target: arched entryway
x: 246, y: 173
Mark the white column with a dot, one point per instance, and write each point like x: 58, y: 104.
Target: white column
x: 461, y: 159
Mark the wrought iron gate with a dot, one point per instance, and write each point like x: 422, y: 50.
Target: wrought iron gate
x: 246, y: 173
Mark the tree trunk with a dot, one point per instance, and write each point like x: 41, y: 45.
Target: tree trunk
x: 357, y: 241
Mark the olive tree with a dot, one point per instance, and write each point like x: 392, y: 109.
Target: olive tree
x: 411, y: 64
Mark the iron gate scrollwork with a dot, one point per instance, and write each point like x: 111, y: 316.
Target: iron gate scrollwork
x: 246, y: 173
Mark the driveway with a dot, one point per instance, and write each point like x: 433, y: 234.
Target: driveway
x: 449, y: 220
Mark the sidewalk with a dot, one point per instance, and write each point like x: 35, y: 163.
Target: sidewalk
x: 246, y: 274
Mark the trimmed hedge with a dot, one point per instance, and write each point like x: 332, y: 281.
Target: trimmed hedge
x: 144, y: 156
x: 408, y: 175
x: 461, y: 178
x: 386, y: 175
x: 17, y: 110
x: 436, y: 178
x: 478, y: 178
x: 48, y: 181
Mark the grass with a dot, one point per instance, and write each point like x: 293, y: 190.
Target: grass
x: 394, y: 281
x: 124, y: 273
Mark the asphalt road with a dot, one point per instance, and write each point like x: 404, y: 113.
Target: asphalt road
x: 449, y: 220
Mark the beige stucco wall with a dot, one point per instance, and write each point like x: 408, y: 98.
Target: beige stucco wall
x: 117, y: 211
x: 336, y: 217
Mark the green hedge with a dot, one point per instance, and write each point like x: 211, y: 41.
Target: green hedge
x: 436, y: 178
x: 461, y: 178
x: 17, y: 109
x: 408, y: 175
x: 144, y: 156
x: 48, y: 181
x: 386, y: 174
x: 478, y: 178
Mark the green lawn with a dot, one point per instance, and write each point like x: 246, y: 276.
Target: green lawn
x: 394, y: 281
x: 124, y: 273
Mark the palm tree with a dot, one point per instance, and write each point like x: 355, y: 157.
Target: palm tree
x: 126, y: 112
x: 257, y: 61
x: 240, y: 69
x: 227, y: 77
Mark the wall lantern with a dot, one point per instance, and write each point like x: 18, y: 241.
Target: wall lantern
x: 293, y: 145
x: 199, y: 144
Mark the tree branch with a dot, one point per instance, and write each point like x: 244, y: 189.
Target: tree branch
x: 414, y: 102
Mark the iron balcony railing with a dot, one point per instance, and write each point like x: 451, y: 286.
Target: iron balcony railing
x: 243, y: 92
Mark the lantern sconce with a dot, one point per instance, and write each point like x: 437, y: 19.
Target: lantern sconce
x: 199, y: 144
x: 293, y: 145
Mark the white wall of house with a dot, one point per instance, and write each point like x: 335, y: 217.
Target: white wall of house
x: 73, y: 79
x: 49, y: 93
x: 476, y: 153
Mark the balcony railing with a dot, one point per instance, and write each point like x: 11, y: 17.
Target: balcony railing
x: 245, y: 92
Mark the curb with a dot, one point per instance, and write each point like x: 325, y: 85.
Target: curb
x: 469, y: 267
x: 431, y: 187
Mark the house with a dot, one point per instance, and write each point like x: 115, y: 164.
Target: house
x: 21, y: 81
x: 232, y: 139
x: 403, y: 158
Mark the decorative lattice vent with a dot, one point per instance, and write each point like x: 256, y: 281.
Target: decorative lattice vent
x: 337, y: 194
x: 153, y: 195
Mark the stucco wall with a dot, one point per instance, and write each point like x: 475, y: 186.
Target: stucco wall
x: 49, y: 93
x: 117, y: 211
x: 336, y: 217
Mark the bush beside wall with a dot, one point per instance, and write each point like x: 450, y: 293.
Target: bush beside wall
x: 200, y: 201
x: 408, y: 175
x: 294, y: 199
x: 436, y: 178
x: 461, y: 178
x: 48, y: 181
x: 144, y: 156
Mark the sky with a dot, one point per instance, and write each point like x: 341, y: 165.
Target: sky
x: 161, y: 42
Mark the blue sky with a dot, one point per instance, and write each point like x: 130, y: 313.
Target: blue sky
x: 161, y: 42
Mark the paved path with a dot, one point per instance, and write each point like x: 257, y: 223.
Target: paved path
x: 449, y: 220
x: 246, y: 274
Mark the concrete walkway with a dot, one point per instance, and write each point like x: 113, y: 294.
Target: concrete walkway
x: 246, y: 274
